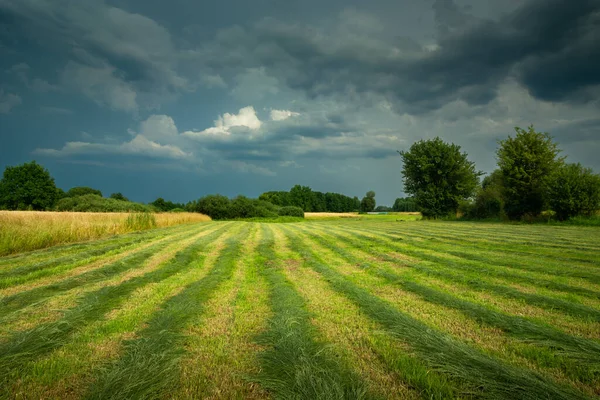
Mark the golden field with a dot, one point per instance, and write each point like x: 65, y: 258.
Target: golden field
x: 30, y: 230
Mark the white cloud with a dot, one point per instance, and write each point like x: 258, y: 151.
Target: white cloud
x: 280, y: 115
x: 225, y: 124
x: 159, y: 128
x: 139, y: 145
x: 143, y: 146
x: 8, y: 101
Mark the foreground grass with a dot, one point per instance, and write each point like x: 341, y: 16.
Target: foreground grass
x: 323, y: 309
x: 29, y: 230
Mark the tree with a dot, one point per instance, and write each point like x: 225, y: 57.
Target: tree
x: 438, y: 176
x: 27, y: 186
x: 404, y: 205
x: 526, y: 162
x: 215, y: 206
x: 367, y: 204
x: 489, y: 200
x: 82, y: 191
x: 301, y: 196
x: 574, y: 190
x: 118, y: 196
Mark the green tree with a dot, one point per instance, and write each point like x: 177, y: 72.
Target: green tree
x: 574, y: 190
x: 215, y: 206
x: 27, y: 186
x: 82, y: 191
x: 367, y: 204
x: 526, y: 162
x: 489, y: 200
x: 438, y: 176
x: 301, y: 196
x: 404, y: 205
x: 118, y: 196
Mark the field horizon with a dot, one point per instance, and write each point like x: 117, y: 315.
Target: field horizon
x: 327, y: 308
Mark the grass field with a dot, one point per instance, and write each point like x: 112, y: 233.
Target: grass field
x: 330, y: 309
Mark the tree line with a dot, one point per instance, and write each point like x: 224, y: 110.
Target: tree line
x: 531, y: 178
x: 312, y: 201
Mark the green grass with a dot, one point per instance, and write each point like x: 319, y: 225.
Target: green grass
x: 332, y: 308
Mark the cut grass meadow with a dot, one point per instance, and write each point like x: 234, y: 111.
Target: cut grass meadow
x: 329, y: 308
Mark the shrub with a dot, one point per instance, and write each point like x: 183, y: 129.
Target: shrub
x: 574, y: 190
x: 291, y: 211
x: 82, y: 191
x: 95, y: 203
x: 488, y: 204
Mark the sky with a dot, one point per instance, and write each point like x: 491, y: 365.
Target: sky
x: 185, y: 98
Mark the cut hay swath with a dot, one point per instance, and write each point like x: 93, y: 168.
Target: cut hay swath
x: 332, y: 308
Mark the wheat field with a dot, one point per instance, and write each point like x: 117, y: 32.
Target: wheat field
x: 29, y: 230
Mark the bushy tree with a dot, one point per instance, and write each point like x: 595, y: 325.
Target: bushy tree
x: 526, y: 162
x: 165, y: 205
x: 27, y: 186
x: 489, y: 200
x: 438, y: 176
x: 574, y: 190
x: 278, y: 198
x: 82, y: 191
x: 215, y: 206
x: 118, y: 196
x: 404, y: 205
x: 367, y: 204
x: 301, y: 196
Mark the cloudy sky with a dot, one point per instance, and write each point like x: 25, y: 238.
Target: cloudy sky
x: 184, y: 98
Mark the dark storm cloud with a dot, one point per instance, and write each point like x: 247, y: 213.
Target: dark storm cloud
x: 550, y: 47
x: 107, y: 53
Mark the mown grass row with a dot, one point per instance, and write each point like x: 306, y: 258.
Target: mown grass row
x: 296, y: 364
x: 577, y: 358
x: 36, y: 294
x: 22, y: 274
x: 553, y: 243
x: 27, y: 345
x: 148, y: 366
x: 68, y: 371
x: 485, y: 375
x: 473, y: 276
x: 515, y: 265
